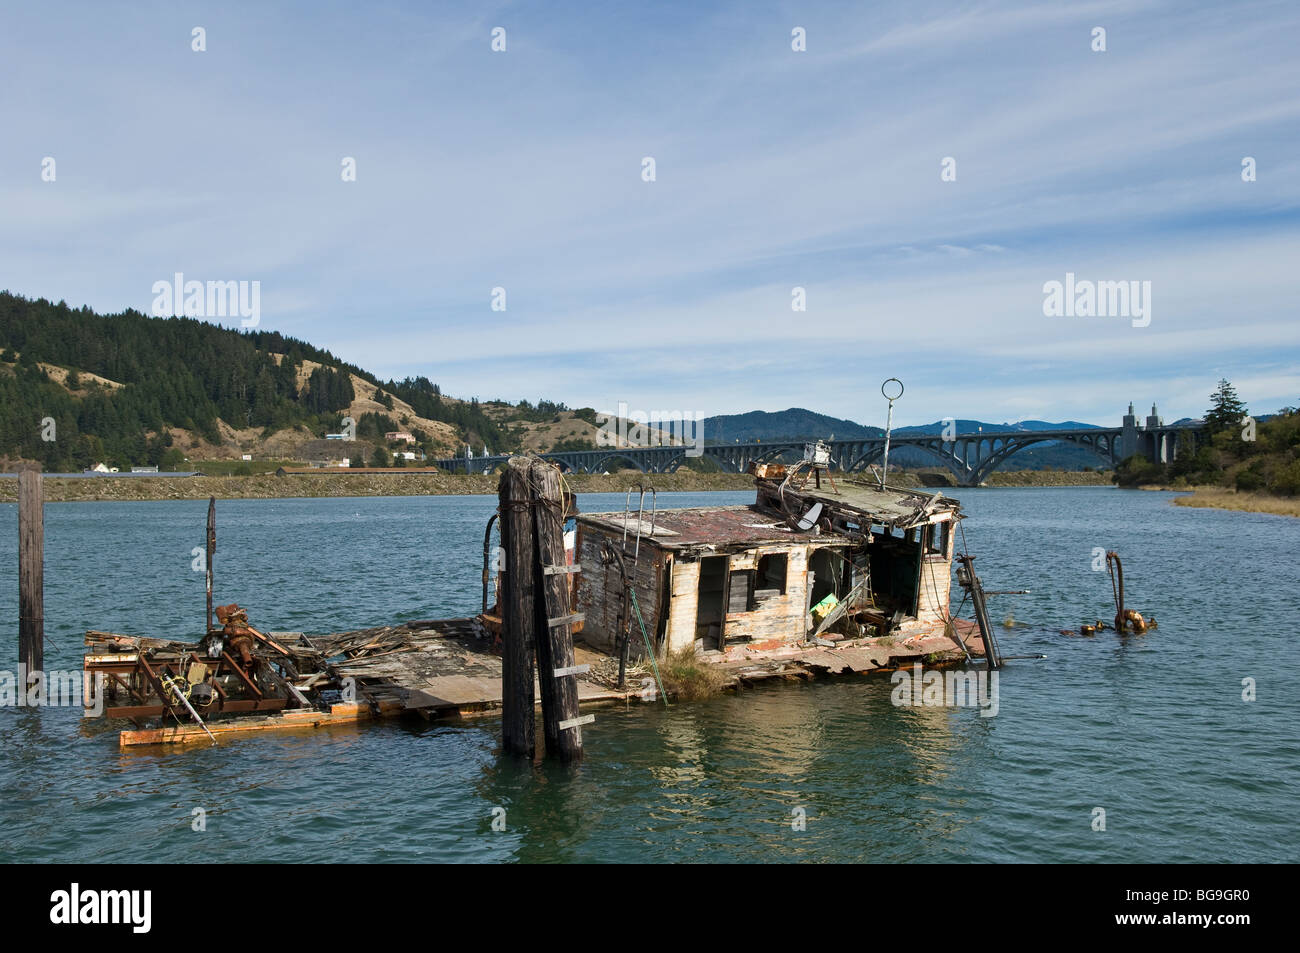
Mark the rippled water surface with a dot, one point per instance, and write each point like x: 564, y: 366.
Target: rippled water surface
x: 1152, y: 728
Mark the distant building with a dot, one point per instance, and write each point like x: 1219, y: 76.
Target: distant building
x: 247, y: 456
x: 144, y: 469
x: 404, y: 454
x: 395, y: 435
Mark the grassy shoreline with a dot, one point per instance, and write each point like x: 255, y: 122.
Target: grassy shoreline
x: 1220, y: 499
x: 269, y: 486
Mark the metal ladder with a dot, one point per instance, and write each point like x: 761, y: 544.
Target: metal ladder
x: 640, y: 517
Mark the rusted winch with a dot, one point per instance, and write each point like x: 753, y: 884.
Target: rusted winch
x: 235, y: 634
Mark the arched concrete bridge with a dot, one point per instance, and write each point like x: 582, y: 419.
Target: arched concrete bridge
x: 969, y: 457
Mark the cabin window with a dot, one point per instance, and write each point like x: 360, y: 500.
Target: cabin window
x: 936, y: 539
x: 772, y: 570
x: 710, y: 617
x: 741, y: 591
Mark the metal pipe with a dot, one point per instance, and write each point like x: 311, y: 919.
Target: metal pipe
x: 487, y: 545
x: 171, y: 686
x: 889, y: 424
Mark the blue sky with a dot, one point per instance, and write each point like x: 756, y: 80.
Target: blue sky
x: 774, y: 169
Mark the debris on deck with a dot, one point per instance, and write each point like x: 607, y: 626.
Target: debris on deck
x: 435, y: 668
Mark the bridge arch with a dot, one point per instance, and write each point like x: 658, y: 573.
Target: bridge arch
x: 948, y: 458
x: 1010, y: 447
x: 610, y: 462
x: 671, y: 462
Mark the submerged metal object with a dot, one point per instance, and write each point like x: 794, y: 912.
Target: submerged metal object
x: 1126, y: 620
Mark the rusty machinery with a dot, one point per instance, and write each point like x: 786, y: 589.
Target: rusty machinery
x: 233, y: 668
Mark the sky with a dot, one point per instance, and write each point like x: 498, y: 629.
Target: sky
x: 775, y: 168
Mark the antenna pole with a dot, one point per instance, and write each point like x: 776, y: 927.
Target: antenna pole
x: 889, y: 422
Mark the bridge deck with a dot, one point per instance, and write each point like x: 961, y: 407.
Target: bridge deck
x: 970, y: 457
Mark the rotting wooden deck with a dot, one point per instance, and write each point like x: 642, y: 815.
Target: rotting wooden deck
x: 437, y: 669
x: 447, y: 669
x: 752, y: 663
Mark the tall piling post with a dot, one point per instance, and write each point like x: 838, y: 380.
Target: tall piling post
x: 210, y: 551
x: 557, y: 673
x: 518, y: 610
x: 31, y: 577
x: 971, y: 583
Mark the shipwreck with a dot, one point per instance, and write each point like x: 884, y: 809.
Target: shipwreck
x: 817, y: 576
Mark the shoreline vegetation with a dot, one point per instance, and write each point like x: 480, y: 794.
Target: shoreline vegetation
x: 1216, y: 497
x: 1238, y: 463
x: 334, y: 484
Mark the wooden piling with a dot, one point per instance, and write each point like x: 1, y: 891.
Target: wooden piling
x: 209, y: 553
x: 972, y: 584
x: 518, y: 610
x: 554, y: 619
x: 31, y: 576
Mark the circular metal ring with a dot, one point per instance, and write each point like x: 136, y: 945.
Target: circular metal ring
x: 900, y: 389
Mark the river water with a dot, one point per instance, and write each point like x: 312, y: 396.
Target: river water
x: 1151, y: 729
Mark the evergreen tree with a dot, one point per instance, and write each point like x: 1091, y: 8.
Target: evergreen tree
x: 1226, y: 409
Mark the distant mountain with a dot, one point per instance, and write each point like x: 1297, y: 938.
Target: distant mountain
x: 793, y: 424
x: 798, y: 423
x: 974, y: 426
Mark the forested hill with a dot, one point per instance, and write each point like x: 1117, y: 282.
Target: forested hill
x: 79, y: 388
x: 116, y: 386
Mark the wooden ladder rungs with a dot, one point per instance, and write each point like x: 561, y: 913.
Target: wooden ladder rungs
x: 560, y: 570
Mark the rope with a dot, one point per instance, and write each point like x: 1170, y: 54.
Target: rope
x: 636, y: 607
x: 965, y: 551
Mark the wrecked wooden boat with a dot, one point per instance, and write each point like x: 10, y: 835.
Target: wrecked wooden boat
x: 814, y: 577
x: 175, y: 692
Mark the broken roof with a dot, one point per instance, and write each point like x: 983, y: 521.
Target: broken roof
x: 890, y: 505
x: 715, y: 525
x: 762, y: 522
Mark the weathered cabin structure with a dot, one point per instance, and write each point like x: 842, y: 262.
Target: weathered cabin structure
x: 759, y: 576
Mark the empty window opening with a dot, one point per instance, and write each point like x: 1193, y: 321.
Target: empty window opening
x: 709, y: 613
x: 936, y: 539
x: 741, y: 591
x: 772, y: 571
